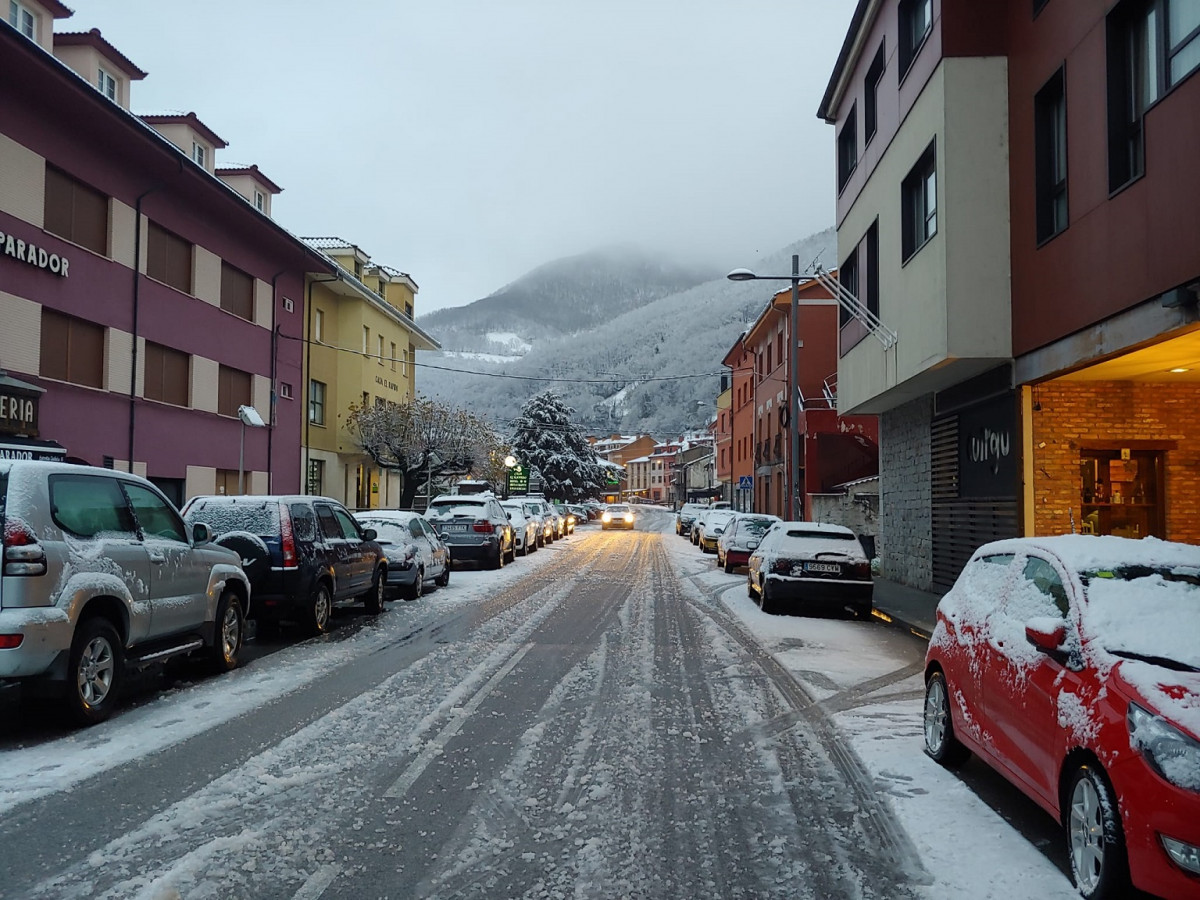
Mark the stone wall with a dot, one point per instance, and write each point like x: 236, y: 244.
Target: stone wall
x: 1074, y: 414
x: 905, y: 543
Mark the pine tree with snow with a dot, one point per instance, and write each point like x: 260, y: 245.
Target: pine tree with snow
x: 545, y: 441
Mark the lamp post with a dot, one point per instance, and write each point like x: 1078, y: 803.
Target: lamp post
x: 249, y: 416
x: 509, y: 462
x: 793, y: 378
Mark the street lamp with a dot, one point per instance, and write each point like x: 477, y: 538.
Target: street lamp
x: 509, y: 462
x: 793, y: 378
x: 249, y: 416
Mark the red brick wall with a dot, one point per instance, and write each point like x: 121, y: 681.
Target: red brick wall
x: 1073, y: 414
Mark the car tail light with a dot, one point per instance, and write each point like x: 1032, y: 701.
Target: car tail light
x: 288, y: 537
x: 483, y: 527
x: 859, y: 570
x: 11, y: 641
x: 23, y: 555
x: 782, y: 567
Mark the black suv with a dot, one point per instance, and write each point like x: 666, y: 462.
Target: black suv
x: 303, y: 555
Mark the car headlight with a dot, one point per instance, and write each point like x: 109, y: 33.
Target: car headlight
x: 628, y: 517
x: 1170, y: 752
x: 607, y: 517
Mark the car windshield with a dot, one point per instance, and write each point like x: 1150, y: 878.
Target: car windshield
x: 755, y: 526
x: 388, y: 532
x: 222, y: 515
x: 450, y: 508
x: 618, y: 509
x: 1146, y: 612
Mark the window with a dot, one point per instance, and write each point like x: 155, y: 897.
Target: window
x: 366, y: 348
x: 916, y: 21
x: 154, y: 516
x: 22, y: 19
x: 1183, y: 38
x: 318, y: 327
x: 871, y: 96
x: 285, y: 390
x: 1050, y: 147
x: 379, y: 345
x: 1037, y: 6
x: 88, y: 505
x: 260, y: 201
x: 233, y: 390
x: 316, y: 402
x: 404, y: 362
x: 870, y: 291
x: 107, y: 85
x: 200, y: 155
x: 408, y: 310
x: 848, y: 278
x: 918, y: 203
x: 237, y: 292
x: 1133, y: 84
x: 75, y: 211
x: 316, y: 485
x: 847, y: 148
x: 393, y: 356
x: 167, y: 374
x: 168, y: 258
x: 72, y: 349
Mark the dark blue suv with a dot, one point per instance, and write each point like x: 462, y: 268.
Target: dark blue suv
x: 303, y: 555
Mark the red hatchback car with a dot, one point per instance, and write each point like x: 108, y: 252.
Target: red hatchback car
x: 1071, y: 665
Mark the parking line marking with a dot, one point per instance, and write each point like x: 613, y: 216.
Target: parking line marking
x: 434, y: 748
x: 317, y: 883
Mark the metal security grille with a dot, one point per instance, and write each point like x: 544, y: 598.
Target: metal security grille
x: 960, y: 524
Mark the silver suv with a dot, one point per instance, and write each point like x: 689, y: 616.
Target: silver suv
x: 101, y: 575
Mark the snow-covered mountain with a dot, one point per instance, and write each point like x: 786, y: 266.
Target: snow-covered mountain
x: 638, y: 364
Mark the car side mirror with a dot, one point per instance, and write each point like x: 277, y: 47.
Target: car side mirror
x: 1047, y: 634
x: 509, y: 516
x: 752, y: 545
x: 369, y: 534
x: 201, y: 534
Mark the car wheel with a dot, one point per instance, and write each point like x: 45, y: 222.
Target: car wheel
x: 320, y: 605
x: 750, y: 590
x: 940, y: 742
x: 1095, y: 840
x: 512, y: 553
x: 374, y: 597
x: 96, y: 671
x: 728, y: 566
x: 414, y: 590
x: 767, y: 600
x: 443, y: 579
x: 230, y: 632
x: 497, y: 561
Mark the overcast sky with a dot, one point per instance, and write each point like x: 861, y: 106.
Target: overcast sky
x: 469, y: 141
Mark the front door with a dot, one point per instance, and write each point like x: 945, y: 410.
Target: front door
x: 178, y: 583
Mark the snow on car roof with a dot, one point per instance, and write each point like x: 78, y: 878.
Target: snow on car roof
x: 1090, y: 552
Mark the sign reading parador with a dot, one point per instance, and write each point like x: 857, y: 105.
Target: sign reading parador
x: 28, y: 252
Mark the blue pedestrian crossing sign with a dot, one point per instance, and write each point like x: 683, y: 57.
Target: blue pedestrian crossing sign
x: 745, y: 482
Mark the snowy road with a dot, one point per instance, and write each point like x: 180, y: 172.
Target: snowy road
x: 602, y: 719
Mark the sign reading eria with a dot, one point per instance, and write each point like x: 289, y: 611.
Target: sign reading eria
x: 31, y: 253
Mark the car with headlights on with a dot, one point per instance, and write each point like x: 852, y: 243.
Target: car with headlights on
x: 617, y: 515
x: 740, y: 537
x: 713, y: 527
x: 810, y: 566
x: 525, y: 528
x: 1071, y: 665
x: 415, y: 553
x: 568, y: 516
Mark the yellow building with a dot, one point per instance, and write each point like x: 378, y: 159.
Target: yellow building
x: 361, y: 345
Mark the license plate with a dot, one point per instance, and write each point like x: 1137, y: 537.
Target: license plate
x: 454, y: 528
x: 831, y: 568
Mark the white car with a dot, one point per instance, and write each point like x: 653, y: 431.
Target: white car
x: 525, y: 529
x: 715, y: 521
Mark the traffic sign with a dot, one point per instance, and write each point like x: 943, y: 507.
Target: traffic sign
x: 745, y: 482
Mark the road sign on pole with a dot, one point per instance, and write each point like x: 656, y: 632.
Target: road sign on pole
x: 745, y: 482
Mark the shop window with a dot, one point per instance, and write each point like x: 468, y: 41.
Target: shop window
x: 1122, y: 492
x: 168, y: 258
x: 72, y: 349
x: 1050, y: 148
x: 167, y: 374
x: 237, y: 292
x: 233, y: 390
x: 871, y: 96
x: 918, y: 204
x: 75, y: 211
x: 847, y: 148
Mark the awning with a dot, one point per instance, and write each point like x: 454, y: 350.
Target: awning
x: 28, y: 448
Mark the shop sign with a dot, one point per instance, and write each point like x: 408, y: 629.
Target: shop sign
x: 987, y: 449
x: 18, y: 412
x: 517, y: 480
x: 31, y: 253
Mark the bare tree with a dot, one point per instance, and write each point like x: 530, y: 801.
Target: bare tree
x: 424, y: 440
